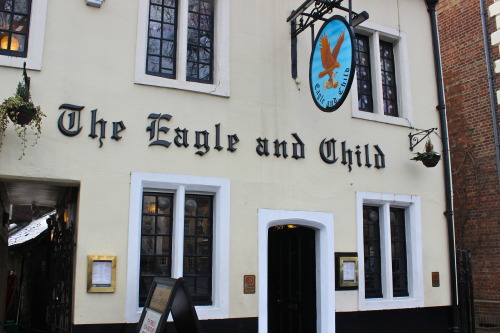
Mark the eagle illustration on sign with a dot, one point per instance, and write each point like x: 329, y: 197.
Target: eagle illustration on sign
x: 329, y: 60
x: 332, y: 70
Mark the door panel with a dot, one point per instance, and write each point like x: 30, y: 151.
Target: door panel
x: 291, y: 280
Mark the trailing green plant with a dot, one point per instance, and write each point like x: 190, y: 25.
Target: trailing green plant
x: 14, y: 109
x: 428, y: 154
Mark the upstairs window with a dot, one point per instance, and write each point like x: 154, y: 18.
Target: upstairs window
x: 22, y: 30
x: 183, y: 44
x: 382, y: 91
x: 14, y: 27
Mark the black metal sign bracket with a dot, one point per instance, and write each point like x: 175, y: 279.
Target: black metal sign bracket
x: 311, y: 11
x: 416, y: 138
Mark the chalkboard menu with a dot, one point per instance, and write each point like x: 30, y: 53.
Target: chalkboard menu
x: 168, y: 296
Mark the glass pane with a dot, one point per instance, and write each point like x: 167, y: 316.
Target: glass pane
x: 189, y: 265
x: 167, y: 66
x: 170, y: 3
x: 169, y: 15
x: 189, y: 246
x: 163, y: 225
x: 168, y: 32
x: 193, y: 36
x: 149, y: 204
x: 194, y: 5
x: 203, y: 247
x: 20, y: 23
x: 163, y: 266
x: 157, y: 2
x: 205, y: 56
x: 193, y: 20
x: 202, y: 285
x: 167, y: 49
x: 155, y: 29
x: 203, y: 265
x: 19, y: 42
x: 4, y: 20
x: 6, y: 5
x: 206, y: 7
x: 164, y: 205
x: 148, y: 224
x: 148, y: 265
x: 153, y: 64
x: 192, y: 53
x: 21, y: 6
x: 154, y: 46
x: 155, y: 13
x: 163, y: 245
x: 189, y: 226
x: 147, y: 245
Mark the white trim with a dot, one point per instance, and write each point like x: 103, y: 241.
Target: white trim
x: 221, y: 85
x: 376, y: 33
x: 414, y: 251
x: 180, y: 184
x: 35, y: 39
x: 325, y: 259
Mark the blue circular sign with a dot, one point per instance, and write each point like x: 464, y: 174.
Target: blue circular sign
x: 332, y: 66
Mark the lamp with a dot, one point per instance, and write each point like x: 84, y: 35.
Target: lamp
x: 14, y: 43
x: 359, y: 18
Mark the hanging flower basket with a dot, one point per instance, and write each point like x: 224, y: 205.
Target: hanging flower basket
x: 21, y: 114
x: 429, y: 157
x: 21, y: 111
x: 432, y: 161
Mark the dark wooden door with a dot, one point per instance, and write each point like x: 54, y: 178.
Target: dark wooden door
x: 291, y: 280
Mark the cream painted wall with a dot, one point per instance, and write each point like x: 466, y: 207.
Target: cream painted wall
x: 89, y: 58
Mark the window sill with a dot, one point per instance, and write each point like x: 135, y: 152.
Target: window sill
x: 381, y: 118
x: 220, y: 89
x: 388, y: 304
x: 203, y: 313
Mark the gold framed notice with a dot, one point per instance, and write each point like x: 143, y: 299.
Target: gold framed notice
x: 101, y: 274
x: 346, y: 271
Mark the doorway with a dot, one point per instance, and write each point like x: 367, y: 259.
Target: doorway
x: 292, y: 279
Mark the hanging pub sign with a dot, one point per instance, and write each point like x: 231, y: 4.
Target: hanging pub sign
x: 332, y: 66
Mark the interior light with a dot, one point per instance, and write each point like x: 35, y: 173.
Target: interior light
x: 14, y: 43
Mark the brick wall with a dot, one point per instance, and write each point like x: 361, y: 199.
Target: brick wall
x: 472, y: 147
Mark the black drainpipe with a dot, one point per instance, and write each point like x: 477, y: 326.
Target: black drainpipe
x: 490, y: 85
x: 455, y: 320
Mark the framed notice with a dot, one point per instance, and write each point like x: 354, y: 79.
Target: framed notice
x: 101, y: 274
x: 346, y: 271
x: 168, y: 296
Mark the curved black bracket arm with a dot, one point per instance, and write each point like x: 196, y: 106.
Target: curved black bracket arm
x: 311, y: 11
x: 416, y: 138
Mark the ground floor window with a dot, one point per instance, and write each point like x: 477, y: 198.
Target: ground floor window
x: 390, y: 251
x: 179, y: 227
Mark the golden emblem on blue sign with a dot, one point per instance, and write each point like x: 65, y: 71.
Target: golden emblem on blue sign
x: 332, y: 64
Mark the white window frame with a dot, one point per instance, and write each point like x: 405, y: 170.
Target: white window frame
x: 220, y: 86
x: 180, y: 185
x: 413, y: 230
x: 323, y: 225
x: 376, y: 33
x: 35, y: 39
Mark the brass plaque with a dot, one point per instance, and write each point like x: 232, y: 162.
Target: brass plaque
x: 249, y: 284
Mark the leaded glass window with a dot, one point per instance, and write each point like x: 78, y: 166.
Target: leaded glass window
x: 371, y: 239
x: 388, y: 79
x: 14, y: 27
x: 398, y: 250
x: 162, y: 38
x: 200, y: 41
x: 198, y: 224
x: 156, y: 240
x: 363, y: 70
